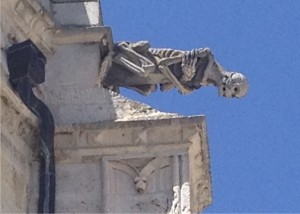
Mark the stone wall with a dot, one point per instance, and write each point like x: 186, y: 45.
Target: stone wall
x: 19, y: 165
x: 112, y: 154
x: 71, y: 90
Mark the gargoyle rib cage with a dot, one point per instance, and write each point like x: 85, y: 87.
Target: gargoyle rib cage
x: 26, y: 65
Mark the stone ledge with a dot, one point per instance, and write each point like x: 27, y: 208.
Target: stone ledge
x: 175, y: 120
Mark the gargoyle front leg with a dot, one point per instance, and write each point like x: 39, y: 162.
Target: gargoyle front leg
x: 188, y: 67
x: 189, y: 60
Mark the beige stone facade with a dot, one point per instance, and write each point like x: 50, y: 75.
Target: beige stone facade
x: 137, y: 166
x: 19, y: 165
x: 113, y: 155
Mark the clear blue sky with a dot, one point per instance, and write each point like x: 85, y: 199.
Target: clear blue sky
x: 255, y: 141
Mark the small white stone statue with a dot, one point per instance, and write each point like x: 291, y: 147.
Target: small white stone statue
x: 141, y: 68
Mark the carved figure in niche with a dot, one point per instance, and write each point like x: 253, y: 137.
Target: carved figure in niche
x: 141, y: 68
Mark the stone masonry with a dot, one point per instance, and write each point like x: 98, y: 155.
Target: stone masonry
x: 113, y: 155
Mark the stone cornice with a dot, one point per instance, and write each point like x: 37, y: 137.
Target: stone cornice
x: 30, y: 19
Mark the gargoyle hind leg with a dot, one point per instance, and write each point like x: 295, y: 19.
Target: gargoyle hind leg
x: 163, y: 67
x: 201, y: 52
x: 188, y: 60
x: 167, y: 72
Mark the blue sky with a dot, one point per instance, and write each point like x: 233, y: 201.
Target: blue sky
x: 255, y: 141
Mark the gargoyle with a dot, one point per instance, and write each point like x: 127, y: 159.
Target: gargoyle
x: 141, y: 68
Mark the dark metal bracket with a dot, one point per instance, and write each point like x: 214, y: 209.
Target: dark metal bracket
x: 26, y: 64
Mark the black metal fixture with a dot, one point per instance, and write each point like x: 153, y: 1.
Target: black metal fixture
x: 26, y: 64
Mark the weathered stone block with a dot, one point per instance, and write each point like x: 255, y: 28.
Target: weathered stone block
x: 78, y: 188
x: 18, y: 138
x: 71, y: 89
x: 164, y: 134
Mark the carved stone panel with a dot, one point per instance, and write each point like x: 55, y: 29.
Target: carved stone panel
x: 147, y: 166
x: 146, y: 184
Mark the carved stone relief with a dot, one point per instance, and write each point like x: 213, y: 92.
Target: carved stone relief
x: 146, y: 184
x: 136, y: 66
x: 159, y: 166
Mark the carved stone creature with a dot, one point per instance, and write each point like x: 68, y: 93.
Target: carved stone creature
x: 141, y: 177
x: 141, y: 68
